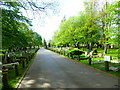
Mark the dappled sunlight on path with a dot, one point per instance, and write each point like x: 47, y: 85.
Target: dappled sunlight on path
x: 50, y: 70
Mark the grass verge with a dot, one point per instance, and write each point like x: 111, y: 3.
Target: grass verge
x: 12, y: 78
x: 101, y: 66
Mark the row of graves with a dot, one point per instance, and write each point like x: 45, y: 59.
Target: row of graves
x: 15, y: 61
x: 89, y: 56
x: 107, y: 60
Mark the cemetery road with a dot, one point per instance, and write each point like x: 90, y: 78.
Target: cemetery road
x: 50, y: 70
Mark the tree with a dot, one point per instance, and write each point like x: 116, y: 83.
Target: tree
x: 15, y: 27
x: 113, y: 20
x: 45, y: 43
x: 49, y: 43
x: 77, y: 30
x: 10, y: 25
x: 109, y: 22
x: 91, y: 25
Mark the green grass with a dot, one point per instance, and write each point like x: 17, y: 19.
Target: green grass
x: 111, y: 52
x: 103, y: 69
x: 13, y: 79
x: 1, y: 54
x: 97, y: 65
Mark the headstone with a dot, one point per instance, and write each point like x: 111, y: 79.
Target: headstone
x: 102, y: 66
x: 106, y: 58
x: 113, y: 68
x: 112, y: 46
x: 100, y: 55
x: 86, y: 53
x: 91, y: 53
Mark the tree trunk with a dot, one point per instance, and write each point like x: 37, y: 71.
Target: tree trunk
x: 104, y: 27
x: 78, y: 46
x: 105, y: 45
x: 105, y: 48
x: 89, y: 46
x: 75, y: 45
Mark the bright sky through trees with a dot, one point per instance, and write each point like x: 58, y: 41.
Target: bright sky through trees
x: 45, y: 25
x: 48, y: 24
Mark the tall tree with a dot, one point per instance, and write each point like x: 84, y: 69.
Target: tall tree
x: 91, y: 25
x: 109, y: 23
x: 15, y: 27
x: 45, y: 43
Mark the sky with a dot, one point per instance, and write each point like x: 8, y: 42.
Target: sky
x: 47, y: 25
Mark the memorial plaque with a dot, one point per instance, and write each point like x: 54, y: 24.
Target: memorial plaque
x: 100, y: 55
x: 106, y: 58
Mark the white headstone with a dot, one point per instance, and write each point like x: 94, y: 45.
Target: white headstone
x: 106, y: 58
x: 91, y: 53
x: 86, y: 53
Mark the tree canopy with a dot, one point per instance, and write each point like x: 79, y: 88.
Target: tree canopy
x: 93, y: 26
x: 16, y: 28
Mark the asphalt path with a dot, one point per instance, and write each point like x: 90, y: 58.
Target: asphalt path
x: 50, y: 70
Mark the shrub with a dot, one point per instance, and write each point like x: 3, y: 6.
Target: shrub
x: 75, y: 52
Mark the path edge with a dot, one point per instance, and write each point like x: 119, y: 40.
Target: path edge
x: 88, y: 66
x: 20, y: 80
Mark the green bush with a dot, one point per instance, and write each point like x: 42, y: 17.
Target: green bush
x: 75, y: 52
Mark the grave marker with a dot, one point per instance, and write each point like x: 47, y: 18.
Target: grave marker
x: 106, y: 58
x: 100, y: 55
